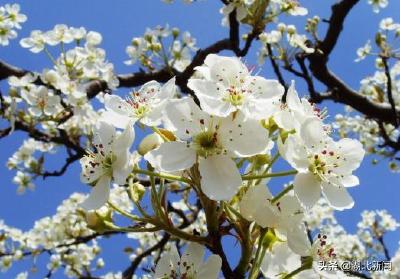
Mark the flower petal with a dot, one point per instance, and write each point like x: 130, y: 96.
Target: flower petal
x: 307, y: 189
x: 99, y: 194
x: 192, y: 257
x: 243, y: 138
x: 211, y: 268
x: 184, y: 117
x: 220, y: 178
x: 337, y: 197
x: 171, y: 156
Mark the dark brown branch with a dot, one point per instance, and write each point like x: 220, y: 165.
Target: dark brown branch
x: 7, y: 70
x: 130, y: 271
x: 339, y: 13
x: 275, y: 67
x: 64, y: 168
x: 389, y: 90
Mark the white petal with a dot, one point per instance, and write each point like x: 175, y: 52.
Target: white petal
x: 210, y: 97
x: 279, y: 260
x: 312, y: 132
x: 220, y: 178
x: 263, y: 89
x: 118, y: 120
x: 184, y: 117
x: 285, y: 120
x: 294, y: 152
x: 292, y: 99
x: 171, y: 156
x: 243, y: 138
x: 211, y: 268
x: 117, y: 104
x: 90, y: 172
x: 307, y: 189
x: 349, y: 181
x: 99, y: 194
x: 227, y: 69
x: 254, y: 206
x: 168, y: 90
x: 353, y: 151
x: 205, y: 88
x: 337, y: 197
x: 104, y: 136
x: 298, y: 240
x: 192, y: 257
x: 168, y: 262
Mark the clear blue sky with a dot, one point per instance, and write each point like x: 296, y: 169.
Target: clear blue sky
x: 119, y: 21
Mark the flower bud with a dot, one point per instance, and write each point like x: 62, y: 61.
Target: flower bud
x: 136, y: 192
x: 175, y: 32
x: 95, y: 219
x: 149, y: 143
x: 291, y: 29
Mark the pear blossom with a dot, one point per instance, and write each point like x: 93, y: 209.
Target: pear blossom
x: 241, y: 7
x: 228, y: 87
x: 295, y: 111
x: 378, y: 4
x: 60, y: 34
x: 145, y: 105
x: 35, y: 42
x: 282, y: 261
x: 322, y: 165
x: 14, y: 16
x: 109, y: 161
x: 362, y: 52
x: 285, y: 215
x: 212, y: 142
x: 297, y: 40
x: 189, y: 265
x: 42, y: 101
x: 6, y: 33
x: 388, y: 24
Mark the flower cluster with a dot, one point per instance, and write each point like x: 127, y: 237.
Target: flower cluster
x: 285, y: 49
x: 162, y: 47
x: 252, y: 11
x: 10, y: 19
x: 65, y: 235
x: 221, y: 147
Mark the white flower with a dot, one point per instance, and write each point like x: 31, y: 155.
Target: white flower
x: 322, y: 164
x: 35, y: 42
x: 190, y: 265
x: 285, y: 215
x: 6, y: 33
x: 272, y: 37
x: 212, y: 142
x: 145, y: 105
x: 377, y: 4
x: 281, y: 260
x: 228, y: 87
x: 388, y: 24
x: 135, y: 50
x: 297, y: 40
x: 60, y: 34
x: 295, y: 111
x: 362, y: 52
x: 42, y: 101
x: 14, y: 16
x: 93, y: 38
x: 110, y: 160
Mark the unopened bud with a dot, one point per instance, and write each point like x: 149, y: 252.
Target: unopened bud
x: 95, y: 219
x: 136, y: 192
x: 149, y: 143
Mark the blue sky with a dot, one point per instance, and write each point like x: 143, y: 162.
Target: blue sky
x: 119, y: 21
